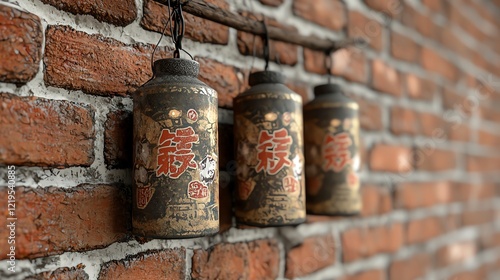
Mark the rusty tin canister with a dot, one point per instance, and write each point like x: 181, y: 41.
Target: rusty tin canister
x: 175, y: 172
x: 331, y: 127
x: 269, y: 153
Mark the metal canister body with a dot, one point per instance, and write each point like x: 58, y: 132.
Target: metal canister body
x: 175, y: 172
x: 268, y: 130
x: 331, y: 150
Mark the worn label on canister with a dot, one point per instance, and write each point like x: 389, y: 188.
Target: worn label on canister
x: 269, y: 143
x: 332, y: 158
x: 175, y: 162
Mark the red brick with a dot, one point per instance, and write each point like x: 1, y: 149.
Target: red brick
x: 62, y: 273
x: 423, y: 230
x: 366, y: 275
x: 385, y: 78
x: 458, y: 18
x: 465, y: 192
x: 490, y: 239
x: 479, y: 273
x: 436, y: 63
x: 362, y: 26
x: 452, y: 99
x: 117, y: 12
x: 21, y: 36
x: 477, y: 217
x: 434, y: 160
x: 370, y: 113
x: 404, y: 121
x: 423, y: 23
x: 376, y: 200
x: 281, y: 52
x: 94, y: 64
x: 410, y: 268
x: 391, y: 8
x: 314, y: 61
x: 118, y: 139
x: 313, y: 254
x: 225, y: 79
x: 432, y: 126
x: 301, y: 88
x: 358, y: 243
x: 391, y: 158
x: 351, y: 64
x: 404, y: 48
x: 459, y: 132
x: 157, y: 264
x: 327, y: 13
x: 253, y: 260
x: 46, y: 132
x: 488, y: 113
x: 55, y: 220
x: 415, y: 195
x: 273, y: 3
x: 198, y: 29
x: 486, y: 138
x: 436, y: 6
x: 454, y: 42
x: 482, y: 164
x: 455, y: 253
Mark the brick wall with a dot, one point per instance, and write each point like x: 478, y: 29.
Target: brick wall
x: 428, y: 84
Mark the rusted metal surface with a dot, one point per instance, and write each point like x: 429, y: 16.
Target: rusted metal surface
x: 269, y: 153
x: 331, y: 127
x: 175, y: 173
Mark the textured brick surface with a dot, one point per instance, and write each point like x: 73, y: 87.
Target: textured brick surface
x: 38, y: 131
x: 365, y: 242
x: 94, y: 64
x: 197, y: 29
x: 55, y: 220
x: 249, y: 44
x: 389, y: 158
x: 21, y: 41
x: 120, y: 13
x: 225, y: 79
x: 162, y: 264
x: 313, y: 254
x: 253, y: 260
x: 385, y: 78
x: 410, y: 268
x: 327, y: 13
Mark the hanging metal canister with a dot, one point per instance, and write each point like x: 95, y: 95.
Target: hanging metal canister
x: 269, y: 142
x: 331, y: 129
x: 175, y: 173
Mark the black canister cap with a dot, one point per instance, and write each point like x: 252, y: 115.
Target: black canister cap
x: 176, y: 67
x: 266, y: 77
x: 327, y: 89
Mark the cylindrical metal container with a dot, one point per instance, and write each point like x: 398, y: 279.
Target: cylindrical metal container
x: 175, y: 172
x: 331, y: 128
x: 269, y: 143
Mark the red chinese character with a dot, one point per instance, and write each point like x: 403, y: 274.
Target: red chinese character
x: 197, y: 190
x: 336, y: 151
x: 144, y: 195
x: 175, y: 153
x: 273, y: 151
x: 290, y: 184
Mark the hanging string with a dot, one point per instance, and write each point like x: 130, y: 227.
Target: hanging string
x: 176, y: 30
x: 328, y: 64
x: 266, y: 44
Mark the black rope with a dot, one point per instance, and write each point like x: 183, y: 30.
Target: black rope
x: 328, y: 64
x: 266, y: 44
